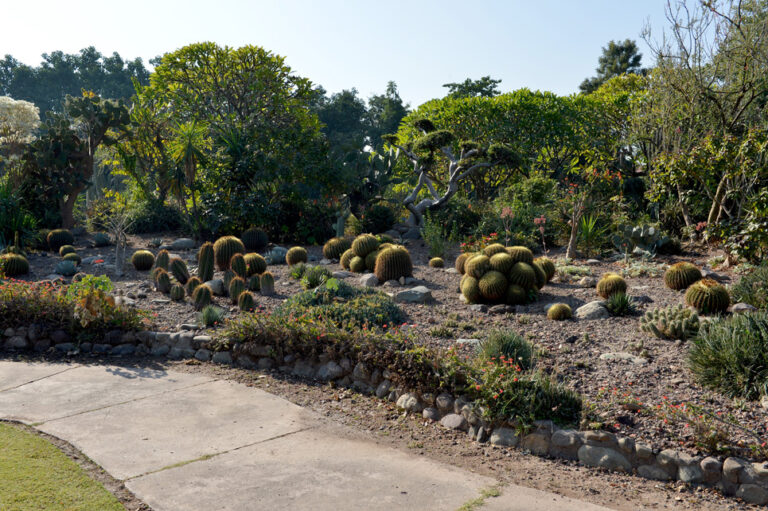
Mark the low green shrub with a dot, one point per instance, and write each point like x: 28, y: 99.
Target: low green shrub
x: 731, y: 355
x: 147, y: 217
x: 210, y: 315
x: 344, y: 306
x: 753, y: 288
x: 504, y: 345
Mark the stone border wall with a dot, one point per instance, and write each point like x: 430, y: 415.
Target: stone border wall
x: 733, y: 476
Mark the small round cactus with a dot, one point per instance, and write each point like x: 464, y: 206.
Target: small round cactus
x: 296, y: 255
x: 72, y: 256
x: 177, y: 293
x: 370, y: 260
x: 236, y: 286
x: 470, y: 289
x: 523, y: 275
x: 494, y: 248
x: 357, y: 264
x: 436, y: 262
x: 179, y: 270
x: 460, y: 261
x: 547, y: 265
x: 163, y: 259
x: 477, y: 266
x: 708, y: 297
x: 346, y: 258
x: 255, y: 263
x: 163, y: 281
x: 267, y: 283
x: 202, y: 296
x: 254, y: 283
x: 516, y: 295
x: 541, y: 275
x: 559, y: 312
x: 13, y: 265
x: 238, y: 265
x: 681, y: 275
x: 502, y: 262
x: 521, y: 254
x: 245, y: 301
x: 224, y: 248
x: 610, y: 284
x: 57, y: 238
x: 66, y: 249
x: 192, y: 284
x: 254, y: 239
x: 493, y: 286
x: 393, y: 263
x: 335, y: 247
x: 143, y: 260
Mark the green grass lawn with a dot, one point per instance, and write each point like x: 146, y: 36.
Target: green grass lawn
x: 36, y: 475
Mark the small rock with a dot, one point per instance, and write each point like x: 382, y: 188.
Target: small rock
x: 419, y: 294
x: 9, y: 332
x: 66, y: 347
x: 342, y: 274
x: 183, y: 244
x: 203, y: 355
x: 16, y: 342
x: 199, y: 341
x: 478, y: 307
x: 444, y: 401
x: 604, y: 457
x: 369, y: 280
x: 454, y: 421
x: 188, y: 326
x: 409, y: 402
x: 451, y: 270
x: 325, y: 262
x: 471, y: 342
x: 222, y: 357
x: 623, y: 356
x: 160, y: 301
x: 592, y: 262
x: 217, y: 286
x: 383, y: 388
x: 587, y: 282
x: 391, y: 283
x: 642, y: 299
x: 653, y: 472
x: 506, y: 437
x: 742, y: 307
x: 592, y: 310
x: 59, y: 336
x: 501, y: 309
x: 101, y: 348
x: 432, y: 414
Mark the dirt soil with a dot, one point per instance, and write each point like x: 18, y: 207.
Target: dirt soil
x: 626, y: 398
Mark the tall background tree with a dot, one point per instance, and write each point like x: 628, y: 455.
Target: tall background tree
x: 485, y: 87
x: 618, y: 58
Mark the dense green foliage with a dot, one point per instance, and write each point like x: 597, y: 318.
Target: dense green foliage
x: 753, y: 288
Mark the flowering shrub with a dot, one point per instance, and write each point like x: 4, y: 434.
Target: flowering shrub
x: 87, y: 311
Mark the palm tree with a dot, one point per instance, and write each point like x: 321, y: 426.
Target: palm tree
x: 188, y: 148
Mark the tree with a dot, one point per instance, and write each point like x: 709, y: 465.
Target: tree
x: 422, y: 151
x: 19, y: 121
x: 618, y: 58
x: 344, y: 116
x: 385, y: 112
x: 61, y: 74
x: 60, y: 163
x: 485, y: 87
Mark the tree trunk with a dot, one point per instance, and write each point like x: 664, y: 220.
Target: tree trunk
x: 68, y: 206
x: 714, y: 211
x: 684, y: 208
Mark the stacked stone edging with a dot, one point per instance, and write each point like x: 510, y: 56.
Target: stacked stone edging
x: 601, y: 449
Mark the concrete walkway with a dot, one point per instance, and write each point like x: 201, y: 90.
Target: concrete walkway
x: 189, y: 442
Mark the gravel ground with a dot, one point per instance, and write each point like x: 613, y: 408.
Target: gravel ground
x: 570, y: 349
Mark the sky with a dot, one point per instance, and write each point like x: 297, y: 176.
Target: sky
x: 340, y: 44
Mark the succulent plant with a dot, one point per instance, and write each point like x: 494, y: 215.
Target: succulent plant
x: 296, y: 255
x: 547, y: 265
x: 254, y: 282
x: 346, y: 257
x: 227, y: 278
x: 202, y: 296
x: 65, y: 268
x: 470, y: 288
x: 493, y: 286
x: 245, y: 301
x: 541, y: 275
x: 459, y: 264
x: 153, y: 274
x: 436, y: 262
x: 236, y: 286
x: 314, y: 276
x: 559, y: 312
x: 516, y: 295
x: 681, y: 275
x: 254, y: 239
x: 335, y: 247
x: 177, y: 293
x: 708, y: 297
x: 238, y: 265
x: 477, y: 266
x: 163, y: 259
x: 393, y: 263
x: 365, y: 244
x: 66, y: 249
x: 57, y: 238
x: 179, y: 270
x: 192, y: 284
x: 72, y: 256
x: 205, y: 261
x: 676, y: 322
x: 357, y: 264
x: 610, y: 284
x: 276, y: 255
x: 13, y: 265
x: 644, y: 237
x: 523, y: 275
x: 224, y: 248
x: 100, y: 239
x: 494, y: 248
x: 502, y: 261
x: 143, y: 260
x: 255, y: 264
x: 162, y: 281
x: 267, y: 284
x: 370, y: 260
x: 521, y: 254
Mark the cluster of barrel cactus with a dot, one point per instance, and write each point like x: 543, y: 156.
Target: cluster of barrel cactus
x: 502, y: 274
x: 379, y: 255
x: 676, y: 322
x: 335, y: 247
